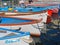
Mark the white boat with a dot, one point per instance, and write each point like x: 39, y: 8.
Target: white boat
x: 13, y: 38
x: 23, y: 24
x: 37, y: 21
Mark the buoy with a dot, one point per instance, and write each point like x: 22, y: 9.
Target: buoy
x: 15, y: 10
x: 10, y: 9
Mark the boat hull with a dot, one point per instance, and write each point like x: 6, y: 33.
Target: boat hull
x: 16, y: 39
x: 32, y: 28
x: 24, y: 26
x: 29, y: 27
x: 35, y: 15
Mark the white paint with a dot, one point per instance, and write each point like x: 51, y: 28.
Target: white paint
x: 24, y: 28
x: 16, y: 41
x: 35, y: 16
x: 4, y: 34
x: 10, y: 13
x: 30, y: 27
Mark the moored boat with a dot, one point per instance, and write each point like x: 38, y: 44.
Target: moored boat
x: 26, y: 21
x: 23, y: 24
x: 24, y: 10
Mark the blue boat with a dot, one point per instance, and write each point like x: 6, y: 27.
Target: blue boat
x: 32, y: 9
x: 28, y: 9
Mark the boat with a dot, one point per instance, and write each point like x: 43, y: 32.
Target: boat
x: 32, y: 12
x: 33, y: 22
x: 14, y: 37
x: 24, y: 10
x: 37, y: 20
x: 22, y: 24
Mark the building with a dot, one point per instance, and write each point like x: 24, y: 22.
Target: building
x: 16, y: 2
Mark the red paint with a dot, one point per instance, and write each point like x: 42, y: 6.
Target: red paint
x: 48, y: 19
x: 50, y: 12
x: 15, y: 11
x: 49, y: 16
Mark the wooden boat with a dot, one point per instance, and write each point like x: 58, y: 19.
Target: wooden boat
x: 34, y: 17
x: 13, y: 38
x: 29, y: 10
x: 23, y: 24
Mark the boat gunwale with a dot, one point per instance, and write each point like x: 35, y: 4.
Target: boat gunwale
x: 33, y: 21
x: 21, y: 14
